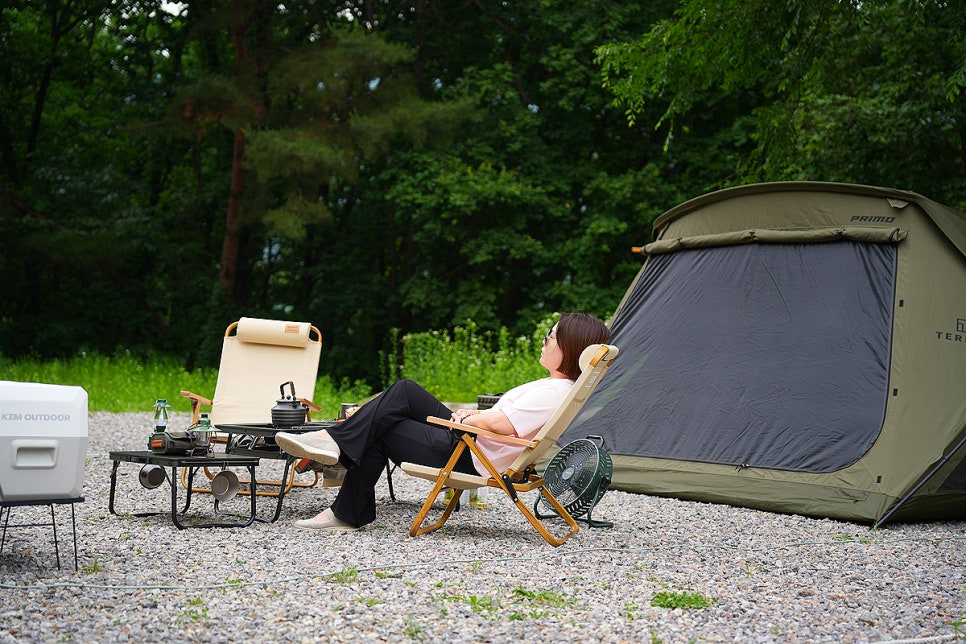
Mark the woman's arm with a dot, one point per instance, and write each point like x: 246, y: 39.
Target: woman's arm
x: 490, y: 420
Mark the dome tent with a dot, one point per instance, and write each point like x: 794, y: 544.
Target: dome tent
x: 795, y: 347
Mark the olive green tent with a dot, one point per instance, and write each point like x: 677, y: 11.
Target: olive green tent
x: 795, y: 347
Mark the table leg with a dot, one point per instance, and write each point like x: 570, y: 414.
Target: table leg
x: 174, y: 495
x: 281, y: 490
x: 110, y: 501
x: 191, y: 485
x: 174, y: 504
x: 251, y: 477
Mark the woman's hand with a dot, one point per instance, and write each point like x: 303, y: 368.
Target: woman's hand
x: 460, y: 415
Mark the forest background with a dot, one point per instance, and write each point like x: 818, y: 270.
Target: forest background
x: 380, y: 168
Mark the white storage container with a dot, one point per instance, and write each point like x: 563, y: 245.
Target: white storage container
x: 43, y: 441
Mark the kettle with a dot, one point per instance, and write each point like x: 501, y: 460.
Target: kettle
x: 288, y: 410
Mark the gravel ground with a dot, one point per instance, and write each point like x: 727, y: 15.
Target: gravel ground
x: 486, y: 577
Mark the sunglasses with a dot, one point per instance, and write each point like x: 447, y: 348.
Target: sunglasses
x: 547, y: 338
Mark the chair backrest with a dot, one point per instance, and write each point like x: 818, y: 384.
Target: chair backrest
x: 257, y: 357
x: 595, y: 360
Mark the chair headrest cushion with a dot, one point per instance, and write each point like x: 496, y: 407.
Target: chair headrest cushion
x: 276, y: 332
x: 589, y: 353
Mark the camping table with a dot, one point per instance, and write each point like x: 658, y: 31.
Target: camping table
x: 53, y: 523
x: 258, y: 440
x: 191, y: 463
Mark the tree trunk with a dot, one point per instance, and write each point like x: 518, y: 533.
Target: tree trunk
x: 229, y: 248
x: 228, y: 270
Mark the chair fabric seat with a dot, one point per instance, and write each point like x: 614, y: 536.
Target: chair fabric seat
x: 457, y: 480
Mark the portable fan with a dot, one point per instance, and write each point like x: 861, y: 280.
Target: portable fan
x: 577, y: 476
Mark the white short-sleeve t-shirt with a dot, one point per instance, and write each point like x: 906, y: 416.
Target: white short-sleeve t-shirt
x: 528, y: 407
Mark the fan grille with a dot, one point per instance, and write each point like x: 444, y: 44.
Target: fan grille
x: 574, y: 476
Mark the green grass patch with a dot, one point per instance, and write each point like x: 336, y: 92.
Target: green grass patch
x: 454, y: 365
x: 690, y: 601
x: 125, y: 383
x: 545, y: 598
x: 346, y: 576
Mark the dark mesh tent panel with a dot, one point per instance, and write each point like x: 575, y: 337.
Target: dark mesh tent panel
x: 759, y: 355
x: 956, y: 482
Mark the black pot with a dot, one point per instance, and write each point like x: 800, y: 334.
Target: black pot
x: 288, y: 410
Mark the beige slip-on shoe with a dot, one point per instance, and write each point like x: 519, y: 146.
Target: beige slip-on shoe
x: 317, y: 446
x: 325, y: 521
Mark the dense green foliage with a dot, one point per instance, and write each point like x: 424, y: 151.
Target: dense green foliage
x: 380, y: 165
x: 858, y: 92
x: 460, y: 365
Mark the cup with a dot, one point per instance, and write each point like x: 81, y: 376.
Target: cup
x: 151, y: 476
x: 346, y: 410
x: 478, y: 498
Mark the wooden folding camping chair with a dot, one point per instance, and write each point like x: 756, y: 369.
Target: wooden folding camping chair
x: 521, y: 476
x: 257, y: 357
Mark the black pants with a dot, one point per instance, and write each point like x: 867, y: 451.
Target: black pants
x: 393, y: 428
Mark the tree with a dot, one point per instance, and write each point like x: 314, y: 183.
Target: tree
x: 366, y: 166
x: 532, y: 209
x: 79, y: 233
x: 865, y: 92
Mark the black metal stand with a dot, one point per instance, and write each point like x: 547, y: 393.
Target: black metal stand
x: 191, y: 463
x: 53, y: 523
x: 593, y: 523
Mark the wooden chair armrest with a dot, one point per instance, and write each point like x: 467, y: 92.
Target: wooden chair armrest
x: 196, y: 403
x: 311, y: 405
x: 469, y: 429
x: 195, y: 397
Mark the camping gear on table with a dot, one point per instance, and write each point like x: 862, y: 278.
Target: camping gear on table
x: 194, y: 441
x: 795, y: 347
x: 288, y: 410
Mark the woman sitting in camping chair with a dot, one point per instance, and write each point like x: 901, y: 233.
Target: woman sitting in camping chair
x: 393, y: 427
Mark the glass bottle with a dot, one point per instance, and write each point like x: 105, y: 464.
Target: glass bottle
x: 161, y: 407
x: 478, y: 498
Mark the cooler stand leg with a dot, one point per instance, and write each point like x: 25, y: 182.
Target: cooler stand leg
x: 73, y: 525
x: 53, y: 522
x: 6, y: 521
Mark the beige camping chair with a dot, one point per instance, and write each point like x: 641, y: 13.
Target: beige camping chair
x: 257, y: 357
x: 521, y: 476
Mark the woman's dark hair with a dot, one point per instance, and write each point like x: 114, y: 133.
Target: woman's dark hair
x: 576, y: 331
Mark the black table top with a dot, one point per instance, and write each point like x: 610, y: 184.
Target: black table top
x: 268, y: 430
x: 171, y: 460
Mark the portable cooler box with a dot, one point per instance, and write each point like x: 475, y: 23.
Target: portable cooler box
x: 43, y: 441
